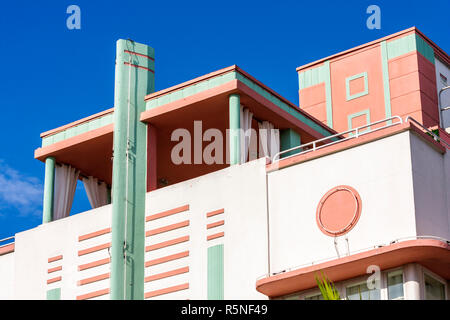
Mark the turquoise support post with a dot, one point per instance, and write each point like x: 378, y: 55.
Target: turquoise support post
x: 234, y: 122
x: 49, y: 190
x: 289, y: 139
x: 133, y: 80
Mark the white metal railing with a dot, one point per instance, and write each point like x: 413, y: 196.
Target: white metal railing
x: 353, y: 133
x: 352, y: 253
x: 435, y: 137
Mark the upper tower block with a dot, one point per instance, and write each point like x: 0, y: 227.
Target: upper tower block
x: 400, y: 74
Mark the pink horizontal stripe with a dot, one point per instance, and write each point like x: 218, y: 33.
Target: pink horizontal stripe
x: 93, y: 279
x: 167, y: 213
x: 213, y: 213
x: 159, y: 292
x: 54, y: 269
x: 166, y: 243
x: 93, y: 264
x: 136, y: 66
x: 93, y: 294
x: 94, y: 234
x: 167, y: 228
x: 139, y: 54
x: 215, y: 236
x: 52, y: 280
x: 215, y: 224
x: 166, y: 274
x: 94, y: 249
x: 171, y: 257
x: 56, y: 258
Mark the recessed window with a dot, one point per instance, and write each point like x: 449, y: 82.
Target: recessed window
x: 362, y: 292
x: 443, y: 79
x: 434, y: 289
x: 395, y: 285
x: 315, y: 297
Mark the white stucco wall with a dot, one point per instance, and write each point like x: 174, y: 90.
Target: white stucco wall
x: 240, y: 190
x: 33, y: 248
x: 7, y: 276
x: 380, y: 171
x: 431, y: 176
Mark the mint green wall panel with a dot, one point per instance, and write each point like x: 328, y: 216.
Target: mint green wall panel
x: 216, y: 272
x: 54, y: 294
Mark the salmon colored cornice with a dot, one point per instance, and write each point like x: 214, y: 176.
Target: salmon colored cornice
x: 76, y: 123
x: 441, y: 53
x: 7, y: 249
x: 431, y: 253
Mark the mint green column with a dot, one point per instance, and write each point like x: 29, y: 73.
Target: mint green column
x: 289, y: 139
x: 134, y: 79
x: 234, y: 122
x: 49, y: 190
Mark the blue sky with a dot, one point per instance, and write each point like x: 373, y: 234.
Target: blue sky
x: 52, y: 75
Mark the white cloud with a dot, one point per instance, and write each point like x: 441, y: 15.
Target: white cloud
x: 20, y: 192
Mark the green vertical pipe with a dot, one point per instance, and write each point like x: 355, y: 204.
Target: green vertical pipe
x: 49, y: 189
x: 234, y: 123
x: 134, y: 79
x: 386, y: 88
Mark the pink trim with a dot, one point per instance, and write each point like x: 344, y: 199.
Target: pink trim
x: 171, y: 257
x: 155, y: 293
x: 93, y: 279
x: 139, y: 54
x: 44, y: 152
x: 94, y: 264
x: 76, y: 123
x: 52, y: 280
x: 137, y: 66
x: 215, y: 224
x: 215, y: 236
x: 56, y: 258
x: 94, y: 234
x: 167, y: 213
x: 93, y: 294
x: 166, y: 274
x: 94, y: 249
x: 213, y: 213
x: 433, y: 254
x: 166, y: 243
x: 8, y: 248
x: 51, y: 270
x: 167, y: 228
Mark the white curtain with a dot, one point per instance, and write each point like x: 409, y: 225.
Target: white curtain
x: 269, y: 139
x: 246, y: 134
x: 65, y: 184
x: 97, y: 192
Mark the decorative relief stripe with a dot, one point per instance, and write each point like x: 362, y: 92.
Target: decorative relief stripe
x: 52, y: 280
x: 166, y: 243
x: 53, y: 259
x: 213, y: 213
x: 94, y: 249
x: 93, y: 294
x: 93, y: 264
x: 171, y: 257
x: 167, y: 228
x: 139, y: 54
x: 93, y: 279
x: 215, y: 236
x: 137, y: 66
x: 167, y: 213
x: 159, y: 292
x: 59, y: 268
x: 166, y: 274
x: 94, y: 234
x: 215, y: 224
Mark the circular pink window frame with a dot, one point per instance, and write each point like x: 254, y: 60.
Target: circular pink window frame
x: 356, y: 214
